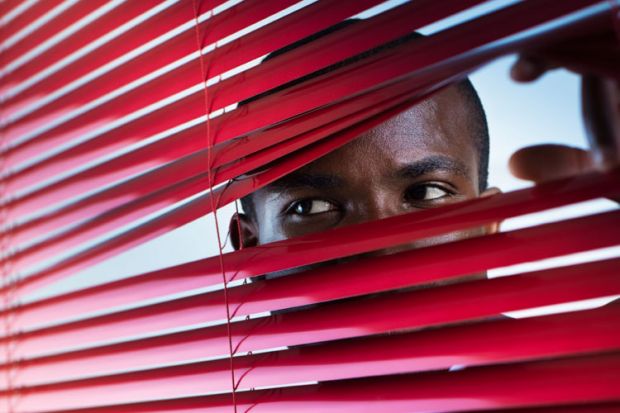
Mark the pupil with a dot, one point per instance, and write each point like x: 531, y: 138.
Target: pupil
x: 303, y: 207
x: 418, y: 192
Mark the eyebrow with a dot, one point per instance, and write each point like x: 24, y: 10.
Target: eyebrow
x: 305, y: 180
x: 327, y: 181
x: 432, y: 164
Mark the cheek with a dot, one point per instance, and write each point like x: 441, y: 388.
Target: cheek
x: 273, y: 229
x: 281, y: 231
x: 269, y: 231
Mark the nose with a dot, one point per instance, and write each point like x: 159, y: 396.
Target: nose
x: 379, y: 207
x: 374, y: 209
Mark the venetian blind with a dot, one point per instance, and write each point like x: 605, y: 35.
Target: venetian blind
x: 120, y: 122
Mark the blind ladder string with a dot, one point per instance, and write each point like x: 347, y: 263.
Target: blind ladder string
x: 204, y: 73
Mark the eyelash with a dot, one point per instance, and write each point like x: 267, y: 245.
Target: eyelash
x: 290, y: 209
x: 426, y: 185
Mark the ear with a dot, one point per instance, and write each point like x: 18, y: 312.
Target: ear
x: 492, y: 227
x: 243, y: 232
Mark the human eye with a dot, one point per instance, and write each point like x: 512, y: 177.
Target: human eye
x: 426, y: 193
x: 307, y: 207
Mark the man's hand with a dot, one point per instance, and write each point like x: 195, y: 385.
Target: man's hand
x: 597, y: 58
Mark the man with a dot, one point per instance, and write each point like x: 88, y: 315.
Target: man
x: 433, y: 154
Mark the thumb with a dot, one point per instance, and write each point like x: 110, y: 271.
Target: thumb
x: 542, y: 163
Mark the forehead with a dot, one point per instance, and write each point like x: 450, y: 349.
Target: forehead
x: 439, y: 125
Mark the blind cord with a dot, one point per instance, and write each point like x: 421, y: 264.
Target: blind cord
x: 204, y: 74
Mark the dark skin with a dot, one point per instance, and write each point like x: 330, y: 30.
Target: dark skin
x: 423, y: 158
x: 371, y: 178
x: 596, y: 57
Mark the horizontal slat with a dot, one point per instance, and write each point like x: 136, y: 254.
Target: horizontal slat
x: 182, y: 214
x: 119, y: 41
x: 206, y: 273
x: 543, y: 383
x: 453, y: 46
x: 39, y: 257
x: 31, y: 73
x: 464, y: 346
x: 191, y: 106
x: 358, y: 317
x: 179, y: 172
x: 23, y: 13
x: 42, y: 38
x: 263, y: 261
x: 576, y: 408
x: 288, y: 28
x: 30, y: 119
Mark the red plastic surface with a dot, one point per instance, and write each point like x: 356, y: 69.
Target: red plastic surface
x: 354, y: 318
x: 371, y: 353
x: 464, y: 346
x: 162, y: 86
x: 538, y: 384
x: 27, y: 16
x: 72, y: 14
x: 173, y: 16
x: 490, y: 342
x: 323, y: 284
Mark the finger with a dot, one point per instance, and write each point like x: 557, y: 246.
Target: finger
x: 543, y: 163
x: 601, y: 110
x: 529, y: 68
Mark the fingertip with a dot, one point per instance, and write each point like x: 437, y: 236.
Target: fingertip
x: 547, y: 162
x: 527, y: 69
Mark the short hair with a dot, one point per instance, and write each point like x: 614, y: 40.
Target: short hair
x: 478, y: 121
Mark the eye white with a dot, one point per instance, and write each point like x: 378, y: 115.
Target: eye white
x: 432, y: 192
x: 311, y: 207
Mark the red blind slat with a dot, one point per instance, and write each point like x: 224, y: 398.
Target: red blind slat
x: 142, y: 211
x: 326, y: 283
x: 262, y: 263
x: 24, y: 95
x: 184, y: 110
x: 467, y: 345
x: 42, y: 35
x: 377, y: 356
x: 590, y: 380
x: 23, y: 15
x: 354, y: 319
x: 255, y: 43
x: 158, y: 112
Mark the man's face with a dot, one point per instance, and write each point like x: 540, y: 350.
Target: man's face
x: 423, y: 158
